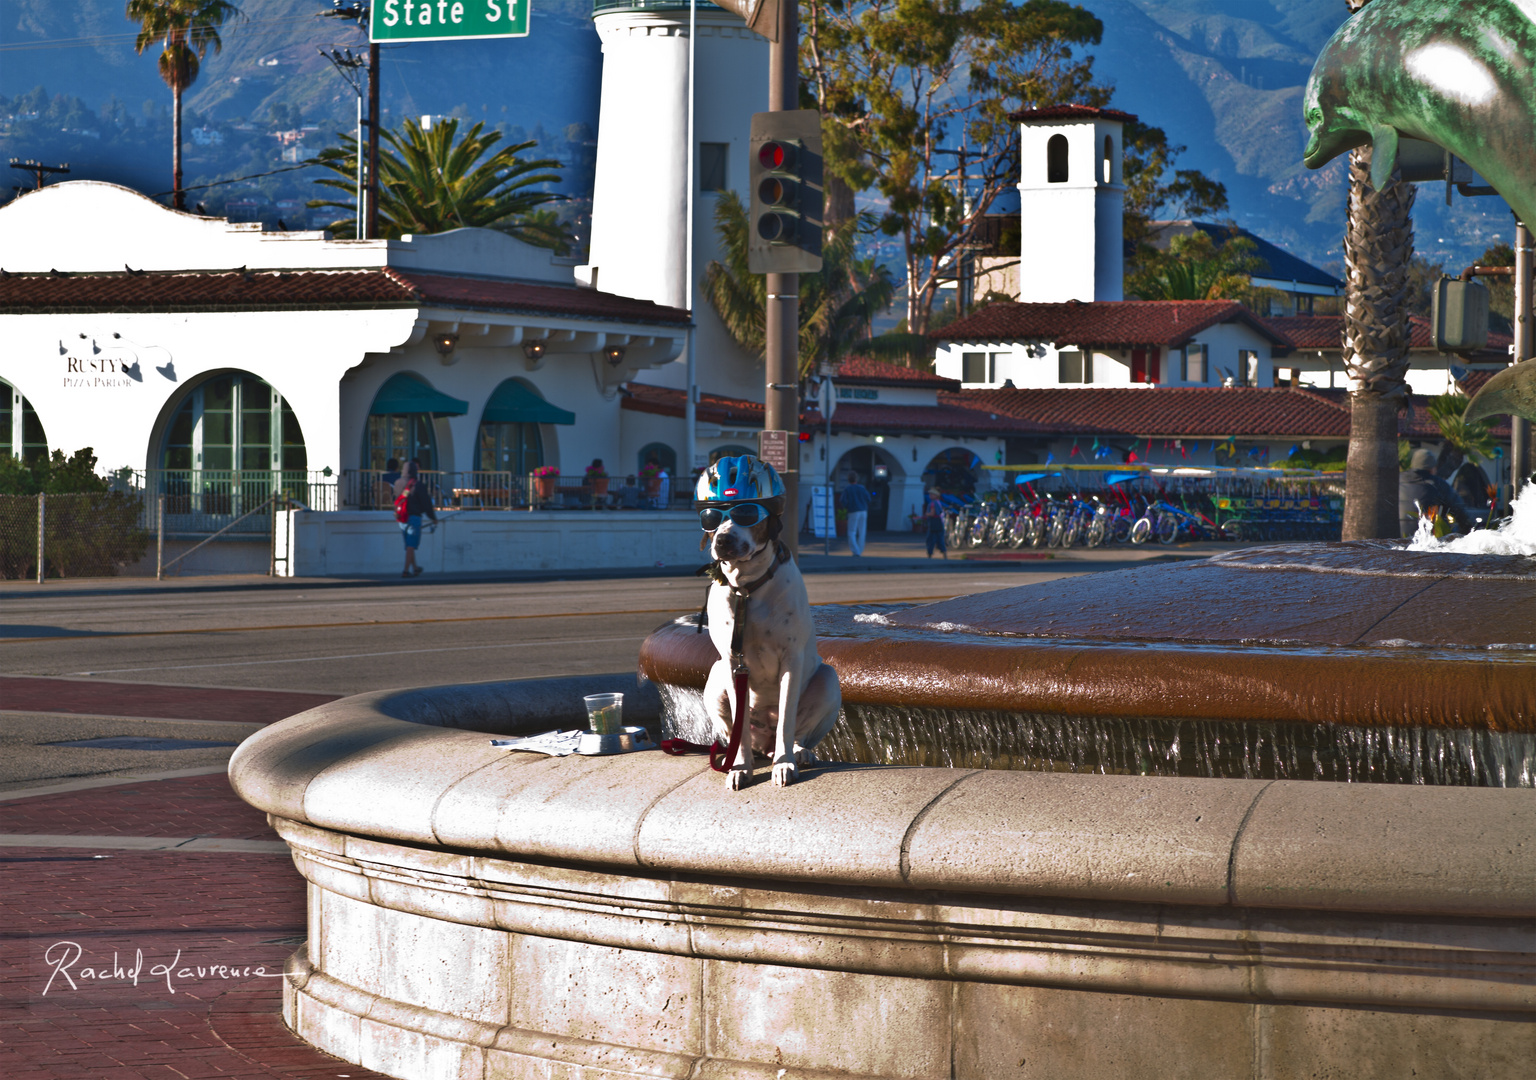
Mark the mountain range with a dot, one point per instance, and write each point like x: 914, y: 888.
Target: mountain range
x: 1224, y: 78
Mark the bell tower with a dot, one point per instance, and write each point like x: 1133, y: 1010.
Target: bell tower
x: 1071, y: 197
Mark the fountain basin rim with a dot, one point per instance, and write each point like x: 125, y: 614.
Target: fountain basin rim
x: 375, y: 767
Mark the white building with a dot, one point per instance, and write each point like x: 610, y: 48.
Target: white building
x: 220, y: 360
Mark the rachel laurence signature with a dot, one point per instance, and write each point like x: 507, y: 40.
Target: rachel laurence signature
x: 62, y: 956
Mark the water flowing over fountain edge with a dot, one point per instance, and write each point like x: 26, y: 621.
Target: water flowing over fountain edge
x: 453, y: 887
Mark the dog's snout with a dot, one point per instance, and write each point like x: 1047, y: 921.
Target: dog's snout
x: 731, y: 543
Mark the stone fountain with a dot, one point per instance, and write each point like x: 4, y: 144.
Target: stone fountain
x: 1124, y: 851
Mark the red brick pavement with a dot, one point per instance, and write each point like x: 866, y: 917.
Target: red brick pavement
x: 64, y: 911
x: 187, y: 806
x: 23, y: 693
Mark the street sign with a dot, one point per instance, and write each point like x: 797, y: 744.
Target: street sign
x: 446, y: 20
x: 773, y: 447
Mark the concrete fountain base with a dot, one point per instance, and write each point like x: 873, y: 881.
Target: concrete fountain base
x: 475, y: 913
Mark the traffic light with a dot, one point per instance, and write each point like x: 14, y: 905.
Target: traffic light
x: 785, y: 174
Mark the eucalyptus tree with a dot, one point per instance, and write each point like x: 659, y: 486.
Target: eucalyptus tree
x: 431, y: 180
x: 185, y: 30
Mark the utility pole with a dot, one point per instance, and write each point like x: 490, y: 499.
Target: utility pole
x: 782, y: 329
x: 1519, y: 429
x: 371, y: 223
x: 38, y: 169
x: 348, y: 66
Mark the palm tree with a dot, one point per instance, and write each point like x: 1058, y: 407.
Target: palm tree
x: 430, y: 181
x: 836, y: 305
x: 1195, y: 268
x: 186, y: 29
x: 1378, y: 246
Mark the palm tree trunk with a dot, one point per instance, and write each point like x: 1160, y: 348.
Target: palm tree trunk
x: 178, y: 197
x: 1378, y: 245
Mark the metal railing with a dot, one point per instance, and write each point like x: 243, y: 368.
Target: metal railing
x: 203, y: 501
x: 364, y: 489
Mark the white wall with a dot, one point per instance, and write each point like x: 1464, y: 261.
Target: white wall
x: 302, y: 354
x: 1070, y: 233
x: 351, y: 542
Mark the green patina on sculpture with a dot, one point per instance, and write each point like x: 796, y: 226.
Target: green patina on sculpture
x: 1457, y: 73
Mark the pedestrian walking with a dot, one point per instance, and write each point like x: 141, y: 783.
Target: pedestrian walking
x: 855, y: 500
x: 933, y: 518
x: 412, y: 502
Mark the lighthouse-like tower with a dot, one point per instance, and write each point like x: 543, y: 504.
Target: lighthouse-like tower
x: 640, y: 194
x: 1071, y: 198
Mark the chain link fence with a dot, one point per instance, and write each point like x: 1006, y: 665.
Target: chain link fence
x: 88, y: 535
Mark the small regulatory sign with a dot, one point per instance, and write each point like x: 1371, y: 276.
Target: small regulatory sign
x: 773, y: 447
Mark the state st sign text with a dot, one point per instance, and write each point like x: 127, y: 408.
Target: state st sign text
x: 440, y: 20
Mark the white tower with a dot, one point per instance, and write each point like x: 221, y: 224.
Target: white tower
x: 1071, y: 197
x: 640, y: 193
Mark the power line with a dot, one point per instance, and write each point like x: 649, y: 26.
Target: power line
x: 238, y: 179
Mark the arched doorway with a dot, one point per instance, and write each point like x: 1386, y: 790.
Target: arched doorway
x: 876, y: 469
x: 954, y: 471
x: 231, y: 440
x: 400, y: 423
x: 511, y: 435
x: 21, y: 432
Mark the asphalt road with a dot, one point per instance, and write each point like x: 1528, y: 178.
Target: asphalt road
x: 376, y: 636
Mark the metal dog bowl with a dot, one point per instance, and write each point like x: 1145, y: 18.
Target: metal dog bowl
x: 630, y: 739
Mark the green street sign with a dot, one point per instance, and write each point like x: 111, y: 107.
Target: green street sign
x: 445, y: 20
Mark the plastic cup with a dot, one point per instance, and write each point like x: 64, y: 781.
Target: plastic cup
x: 605, y: 713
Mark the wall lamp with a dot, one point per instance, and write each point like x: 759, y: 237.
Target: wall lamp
x: 614, y: 354
x: 534, y: 350
x: 444, y: 343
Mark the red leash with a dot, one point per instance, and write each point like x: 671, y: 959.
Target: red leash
x: 682, y: 747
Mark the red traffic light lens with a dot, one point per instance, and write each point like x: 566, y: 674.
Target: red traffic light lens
x: 772, y: 155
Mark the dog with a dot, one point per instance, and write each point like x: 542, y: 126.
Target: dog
x: 793, y: 697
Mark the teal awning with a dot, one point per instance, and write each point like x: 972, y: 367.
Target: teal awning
x: 514, y: 403
x: 404, y: 394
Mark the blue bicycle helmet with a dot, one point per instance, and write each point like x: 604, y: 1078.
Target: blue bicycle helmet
x: 741, y: 479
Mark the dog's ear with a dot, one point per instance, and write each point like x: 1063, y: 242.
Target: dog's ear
x: 703, y: 541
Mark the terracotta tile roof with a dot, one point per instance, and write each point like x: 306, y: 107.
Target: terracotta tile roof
x: 1414, y: 421
x: 1327, y: 331
x: 848, y: 416
x: 1163, y: 411
x: 711, y: 409
x: 1116, y: 323
x: 290, y: 290
x: 1070, y: 112
x: 867, y: 371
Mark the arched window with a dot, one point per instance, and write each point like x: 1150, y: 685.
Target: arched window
x: 233, y: 423
x: 400, y: 422
x: 1056, y: 160
x: 1109, y: 160
x: 662, y: 453
x: 510, y: 437
x: 21, y: 432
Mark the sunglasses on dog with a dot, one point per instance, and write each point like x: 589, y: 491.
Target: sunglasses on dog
x: 743, y: 514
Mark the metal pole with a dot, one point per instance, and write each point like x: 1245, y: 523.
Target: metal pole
x: 829, y: 526
x: 1520, y: 430
x: 272, y: 544
x: 160, y: 538
x: 42, y: 506
x: 690, y: 402
x: 373, y: 143
x: 782, y: 395
x: 362, y: 192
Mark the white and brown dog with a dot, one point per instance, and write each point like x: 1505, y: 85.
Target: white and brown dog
x: 793, y: 697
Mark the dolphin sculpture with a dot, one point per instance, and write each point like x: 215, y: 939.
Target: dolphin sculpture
x: 1458, y: 73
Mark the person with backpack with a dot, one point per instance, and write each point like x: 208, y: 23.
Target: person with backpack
x: 412, y: 502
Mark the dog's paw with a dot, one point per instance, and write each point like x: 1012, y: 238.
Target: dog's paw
x: 739, y: 778
x: 806, y: 757
x: 785, y: 773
